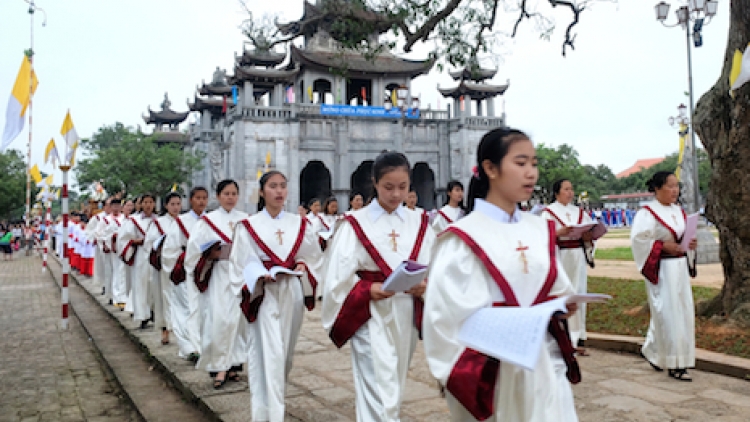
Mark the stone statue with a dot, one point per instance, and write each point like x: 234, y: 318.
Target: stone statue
x: 166, y: 103
x: 220, y: 77
x: 217, y: 173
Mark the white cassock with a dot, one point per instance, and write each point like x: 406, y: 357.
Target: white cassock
x: 223, y: 329
x: 88, y: 250
x: 274, y: 310
x: 573, y: 259
x: 59, y: 239
x: 136, y: 257
x: 73, y: 241
x: 161, y: 286
x: 383, y: 341
x: 92, y: 229
x: 119, y: 291
x: 104, y: 243
x: 445, y: 216
x: 520, y: 251
x: 670, y: 341
x: 185, y: 302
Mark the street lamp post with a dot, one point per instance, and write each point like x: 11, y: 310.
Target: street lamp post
x: 696, y: 11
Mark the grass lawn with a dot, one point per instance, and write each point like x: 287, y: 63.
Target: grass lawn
x: 624, y: 315
x: 621, y: 253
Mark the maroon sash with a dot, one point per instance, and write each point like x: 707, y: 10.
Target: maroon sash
x: 651, y: 268
x: 448, y: 219
x: 250, y: 307
x: 355, y: 311
x: 154, y: 256
x: 114, y: 236
x: 130, y: 261
x: 205, y: 266
x: 178, y: 273
x: 473, y: 378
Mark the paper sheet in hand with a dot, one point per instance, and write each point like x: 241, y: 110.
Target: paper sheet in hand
x: 691, y: 229
x: 206, y: 246
x: 325, y: 234
x: 510, y: 334
x: 405, y: 276
x: 250, y: 274
x: 158, y: 241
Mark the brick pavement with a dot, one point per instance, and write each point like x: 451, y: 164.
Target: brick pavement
x: 46, y: 373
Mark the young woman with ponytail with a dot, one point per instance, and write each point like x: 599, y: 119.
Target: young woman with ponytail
x: 499, y: 256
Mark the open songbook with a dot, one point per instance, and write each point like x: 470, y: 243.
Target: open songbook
x: 158, y: 241
x: 226, y: 248
x: 691, y: 228
x: 597, y: 229
x: 250, y: 273
x: 515, y: 334
x: 405, y: 276
x: 326, y: 234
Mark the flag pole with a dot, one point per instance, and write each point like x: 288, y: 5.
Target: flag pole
x: 47, y: 230
x: 65, y: 257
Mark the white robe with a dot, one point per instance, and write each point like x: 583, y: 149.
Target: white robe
x: 670, y: 341
x: 161, y: 285
x: 135, y: 229
x: 223, y: 328
x: 440, y: 223
x: 382, y: 347
x: 273, y: 335
x: 92, y: 229
x: 460, y: 284
x: 59, y: 239
x: 186, y: 308
x: 119, y: 291
x: 103, y: 242
x: 573, y: 262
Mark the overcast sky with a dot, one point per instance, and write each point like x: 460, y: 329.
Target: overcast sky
x: 107, y: 61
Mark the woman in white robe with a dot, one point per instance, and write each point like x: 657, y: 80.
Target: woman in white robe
x: 655, y: 237
x: 274, y: 308
x: 453, y: 209
x: 499, y: 256
x: 411, y: 201
x: 575, y: 255
x: 356, y: 202
x: 382, y: 326
x: 133, y: 250
x: 223, y: 328
x: 119, y: 291
x: 161, y: 286
x: 186, y: 298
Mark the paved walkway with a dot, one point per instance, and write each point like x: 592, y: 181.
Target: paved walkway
x: 46, y: 373
x: 616, y: 387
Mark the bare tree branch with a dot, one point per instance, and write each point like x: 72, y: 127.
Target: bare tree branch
x: 576, y: 10
x: 425, y: 30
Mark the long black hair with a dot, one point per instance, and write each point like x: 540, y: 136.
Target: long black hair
x: 262, y: 183
x: 452, y: 185
x: 148, y: 195
x: 197, y: 189
x: 328, y: 202
x: 494, y: 147
x: 385, y: 163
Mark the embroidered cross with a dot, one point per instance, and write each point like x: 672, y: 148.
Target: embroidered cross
x: 521, y: 249
x: 278, y: 236
x: 231, y: 225
x: 393, y: 237
x: 568, y: 215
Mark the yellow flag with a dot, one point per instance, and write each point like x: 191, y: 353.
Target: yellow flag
x: 394, y: 98
x: 310, y: 93
x: 683, y: 138
x: 51, y: 152
x: 68, y: 131
x: 20, y: 97
x: 174, y: 188
x: 268, y: 158
x: 739, y: 74
x: 36, y: 176
x: 72, y: 154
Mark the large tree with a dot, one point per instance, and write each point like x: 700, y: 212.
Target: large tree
x: 13, y: 186
x: 723, y: 124
x: 126, y: 160
x: 460, y: 31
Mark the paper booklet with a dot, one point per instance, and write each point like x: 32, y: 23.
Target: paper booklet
x: 597, y: 229
x: 405, y: 276
x: 158, y: 241
x: 691, y: 229
x: 250, y: 274
x: 326, y: 234
x: 514, y: 334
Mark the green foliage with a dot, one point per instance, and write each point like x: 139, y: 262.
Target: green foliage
x: 13, y: 186
x: 623, y: 253
x: 128, y: 161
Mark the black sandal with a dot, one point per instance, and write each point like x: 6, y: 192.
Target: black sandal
x: 680, y: 375
x: 218, y: 384
x: 656, y: 368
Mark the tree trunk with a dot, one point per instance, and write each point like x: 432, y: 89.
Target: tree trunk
x: 723, y: 124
